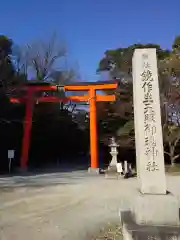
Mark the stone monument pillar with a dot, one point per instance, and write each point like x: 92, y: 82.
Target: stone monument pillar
x: 152, y: 205
x: 147, y: 117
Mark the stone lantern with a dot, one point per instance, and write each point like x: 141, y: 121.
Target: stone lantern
x: 114, y: 152
x: 114, y: 166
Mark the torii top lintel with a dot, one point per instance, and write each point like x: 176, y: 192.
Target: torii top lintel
x: 79, y: 86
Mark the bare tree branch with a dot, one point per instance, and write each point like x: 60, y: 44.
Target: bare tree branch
x: 167, y: 153
x: 41, y: 57
x: 175, y: 157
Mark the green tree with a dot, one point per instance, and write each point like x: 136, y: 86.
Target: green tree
x: 171, y: 134
x: 176, y: 44
x: 6, y: 66
x: 120, y: 60
x: 126, y: 135
x: 43, y: 59
x: 119, y: 64
x: 171, y: 137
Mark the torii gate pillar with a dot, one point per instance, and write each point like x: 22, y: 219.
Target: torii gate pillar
x: 93, y: 130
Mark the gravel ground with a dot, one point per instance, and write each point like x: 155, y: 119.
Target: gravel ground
x: 111, y: 231
x: 66, y: 206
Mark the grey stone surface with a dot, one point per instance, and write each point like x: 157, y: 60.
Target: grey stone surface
x: 111, y: 172
x: 64, y: 205
x: 113, y: 160
x: 148, y: 131
x: 156, y: 209
x: 131, y: 230
x: 93, y: 170
x: 68, y: 206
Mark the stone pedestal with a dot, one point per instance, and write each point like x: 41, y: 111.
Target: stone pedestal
x: 93, y: 170
x: 151, y: 217
x: 156, y: 209
x: 111, y: 172
x: 133, y: 231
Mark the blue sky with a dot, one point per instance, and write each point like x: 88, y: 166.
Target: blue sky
x: 90, y: 27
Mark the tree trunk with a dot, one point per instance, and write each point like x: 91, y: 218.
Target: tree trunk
x: 172, y: 159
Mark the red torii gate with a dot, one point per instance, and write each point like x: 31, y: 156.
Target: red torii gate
x: 92, y: 97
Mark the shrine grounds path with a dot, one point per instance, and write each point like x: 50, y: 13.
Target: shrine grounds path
x: 70, y: 205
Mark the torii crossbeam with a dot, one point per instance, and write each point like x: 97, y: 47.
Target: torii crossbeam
x: 92, y: 97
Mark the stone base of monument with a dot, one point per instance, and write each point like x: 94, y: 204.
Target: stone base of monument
x: 156, y: 209
x: 93, y: 170
x: 131, y: 230
x: 111, y: 172
x: 152, y: 217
